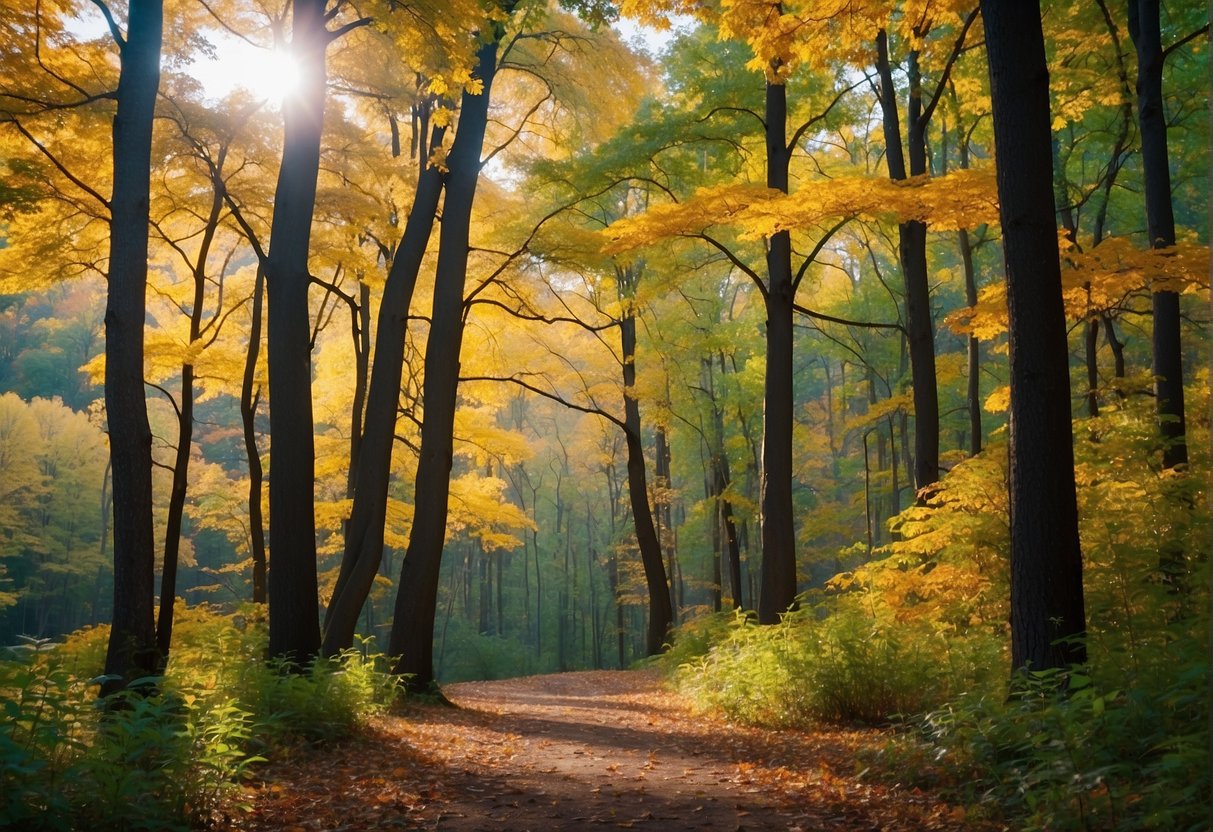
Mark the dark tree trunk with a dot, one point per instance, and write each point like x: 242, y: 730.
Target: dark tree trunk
x: 132, y: 651
x: 248, y: 419
x: 185, y: 437
x: 360, y: 334
x: 1047, y: 614
x: 1091, y: 356
x: 1144, y: 28
x: 973, y: 391
x: 293, y: 595
x: 412, y: 635
x: 364, y: 533
x: 722, y: 478
x: 778, y: 529
x: 912, y: 251
x: 665, y: 514
x: 661, y: 612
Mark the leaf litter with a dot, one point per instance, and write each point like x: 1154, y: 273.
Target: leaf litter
x: 585, y: 750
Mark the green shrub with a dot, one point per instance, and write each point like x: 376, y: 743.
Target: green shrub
x: 1089, y: 758
x: 830, y: 662
x: 328, y: 701
x: 167, y: 756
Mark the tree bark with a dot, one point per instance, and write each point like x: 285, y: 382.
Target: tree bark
x: 293, y: 595
x: 1047, y: 612
x: 1144, y: 28
x: 248, y: 419
x: 412, y: 636
x: 661, y: 613
x: 912, y: 251
x: 131, y: 651
x: 364, y: 533
x: 778, y: 591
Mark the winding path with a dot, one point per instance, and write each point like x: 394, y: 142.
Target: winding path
x: 572, y: 751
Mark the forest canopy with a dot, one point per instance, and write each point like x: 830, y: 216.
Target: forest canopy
x: 523, y: 336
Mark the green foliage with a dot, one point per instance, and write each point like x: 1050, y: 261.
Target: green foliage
x: 831, y: 661
x: 465, y: 655
x: 1090, y: 757
x: 167, y: 753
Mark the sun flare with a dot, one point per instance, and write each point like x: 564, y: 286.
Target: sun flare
x: 269, y: 74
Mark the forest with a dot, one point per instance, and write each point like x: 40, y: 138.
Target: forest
x: 843, y: 363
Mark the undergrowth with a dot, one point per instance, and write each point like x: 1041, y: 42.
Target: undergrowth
x: 173, y: 751
x: 916, y: 639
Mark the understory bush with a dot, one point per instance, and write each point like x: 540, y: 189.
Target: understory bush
x: 170, y: 751
x: 920, y: 631
x: 840, y: 666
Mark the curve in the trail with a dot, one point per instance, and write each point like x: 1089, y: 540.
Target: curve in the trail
x: 590, y: 750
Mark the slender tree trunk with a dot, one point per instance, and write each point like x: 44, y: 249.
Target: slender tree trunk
x: 665, y: 514
x: 248, y: 418
x: 364, y: 533
x: 1047, y: 613
x: 1144, y: 28
x: 778, y: 529
x: 360, y: 334
x: 661, y: 613
x: 132, y: 651
x: 412, y: 635
x: 293, y: 595
x: 912, y: 251
x: 185, y: 436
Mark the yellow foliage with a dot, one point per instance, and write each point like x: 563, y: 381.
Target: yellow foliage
x: 962, y: 199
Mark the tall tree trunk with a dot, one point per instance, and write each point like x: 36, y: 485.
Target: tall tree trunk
x: 185, y: 436
x: 412, y: 635
x: 661, y: 611
x: 1047, y: 613
x: 912, y: 251
x: 131, y: 652
x: 1144, y: 28
x: 248, y: 419
x: 364, y: 533
x: 293, y: 595
x: 778, y: 529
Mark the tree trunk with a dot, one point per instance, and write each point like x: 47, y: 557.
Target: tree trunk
x: 1144, y: 28
x: 364, y: 533
x: 1047, y: 613
x: 912, y: 251
x: 778, y: 529
x: 661, y: 612
x: 293, y: 596
x: 131, y: 652
x: 185, y: 437
x: 248, y: 418
x: 973, y: 391
x: 412, y: 635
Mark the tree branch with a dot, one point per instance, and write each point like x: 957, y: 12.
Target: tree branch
x: 556, y: 397
x: 812, y: 255
x: 79, y: 183
x: 111, y: 23
x: 942, y: 84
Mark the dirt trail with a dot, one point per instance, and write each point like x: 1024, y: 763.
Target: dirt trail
x: 571, y: 751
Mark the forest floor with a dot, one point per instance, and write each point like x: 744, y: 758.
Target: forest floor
x: 573, y: 751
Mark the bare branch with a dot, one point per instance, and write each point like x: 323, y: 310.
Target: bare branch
x: 111, y: 23
x: 556, y: 397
